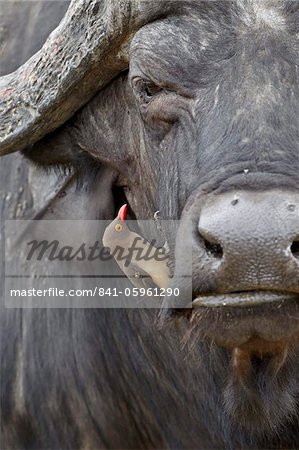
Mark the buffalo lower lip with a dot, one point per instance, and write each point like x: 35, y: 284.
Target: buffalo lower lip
x: 243, y: 299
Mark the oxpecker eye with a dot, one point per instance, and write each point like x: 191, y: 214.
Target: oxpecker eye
x: 118, y: 227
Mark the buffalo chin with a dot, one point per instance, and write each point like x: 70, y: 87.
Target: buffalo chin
x: 261, y: 390
x: 260, y: 382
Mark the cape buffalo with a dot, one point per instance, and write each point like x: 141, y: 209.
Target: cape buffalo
x: 189, y: 107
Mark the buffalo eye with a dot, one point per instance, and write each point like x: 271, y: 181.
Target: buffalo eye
x: 150, y: 91
x: 146, y: 90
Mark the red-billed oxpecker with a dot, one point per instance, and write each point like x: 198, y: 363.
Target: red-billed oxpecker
x: 144, y: 264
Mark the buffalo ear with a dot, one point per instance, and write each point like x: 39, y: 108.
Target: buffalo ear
x: 56, y: 149
x: 65, y: 196
x: 84, y: 191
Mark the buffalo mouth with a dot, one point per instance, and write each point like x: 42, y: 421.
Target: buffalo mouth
x: 257, y: 327
x: 234, y: 319
x: 231, y: 320
x: 243, y: 299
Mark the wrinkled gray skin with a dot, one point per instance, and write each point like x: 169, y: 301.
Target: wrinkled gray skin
x: 226, y: 102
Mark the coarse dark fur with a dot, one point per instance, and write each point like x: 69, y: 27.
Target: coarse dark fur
x: 210, y: 93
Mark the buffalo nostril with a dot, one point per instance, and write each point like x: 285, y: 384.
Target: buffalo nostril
x: 295, y: 249
x: 213, y: 248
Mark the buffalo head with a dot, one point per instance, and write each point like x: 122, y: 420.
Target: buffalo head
x: 202, y: 125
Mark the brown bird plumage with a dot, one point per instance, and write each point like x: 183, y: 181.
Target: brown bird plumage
x: 143, y: 268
